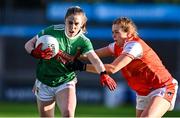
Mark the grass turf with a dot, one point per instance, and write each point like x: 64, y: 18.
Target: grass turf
x: 16, y: 109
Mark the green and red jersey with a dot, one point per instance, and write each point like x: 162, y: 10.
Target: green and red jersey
x: 52, y: 72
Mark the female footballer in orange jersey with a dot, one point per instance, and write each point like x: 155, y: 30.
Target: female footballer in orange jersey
x: 155, y: 87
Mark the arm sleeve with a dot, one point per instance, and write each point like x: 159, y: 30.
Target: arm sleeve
x: 133, y: 49
x: 87, y: 46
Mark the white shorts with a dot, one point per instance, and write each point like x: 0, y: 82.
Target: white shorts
x: 47, y: 93
x: 143, y: 101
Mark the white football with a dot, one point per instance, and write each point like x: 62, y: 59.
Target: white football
x: 48, y: 41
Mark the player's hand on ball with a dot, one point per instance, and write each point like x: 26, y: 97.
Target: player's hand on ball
x: 41, y: 54
x: 106, y: 80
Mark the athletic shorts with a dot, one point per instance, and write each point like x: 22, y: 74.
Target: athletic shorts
x: 47, y: 93
x: 168, y: 93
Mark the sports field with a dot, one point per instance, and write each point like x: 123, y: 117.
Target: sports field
x: 14, y: 109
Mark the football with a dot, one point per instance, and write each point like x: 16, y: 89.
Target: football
x: 48, y: 41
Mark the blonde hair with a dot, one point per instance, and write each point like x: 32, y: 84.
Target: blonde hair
x: 127, y: 25
x: 77, y: 10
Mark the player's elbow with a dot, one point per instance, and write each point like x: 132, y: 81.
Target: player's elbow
x: 28, y: 47
x: 25, y: 46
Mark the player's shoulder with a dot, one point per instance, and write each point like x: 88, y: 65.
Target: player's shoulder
x: 83, y: 37
x: 59, y: 27
x: 132, y: 44
x: 52, y: 29
x: 55, y: 27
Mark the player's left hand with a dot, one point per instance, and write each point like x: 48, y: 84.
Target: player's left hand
x: 105, y: 79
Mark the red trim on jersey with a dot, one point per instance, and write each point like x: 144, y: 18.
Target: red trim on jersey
x: 147, y: 73
x: 129, y: 55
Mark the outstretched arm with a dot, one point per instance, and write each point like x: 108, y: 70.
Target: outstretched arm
x: 105, y: 79
x: 115, y: 66
x: 101, y: 52
x: 96, y: 62
x: 132, y: 50
x: 98, y: 67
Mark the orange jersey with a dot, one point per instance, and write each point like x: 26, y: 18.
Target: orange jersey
x: 146, y: 73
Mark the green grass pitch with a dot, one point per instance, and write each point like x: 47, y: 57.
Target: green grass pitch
x: 16, y: 109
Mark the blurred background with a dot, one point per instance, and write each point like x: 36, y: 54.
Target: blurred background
x: 158, y: 23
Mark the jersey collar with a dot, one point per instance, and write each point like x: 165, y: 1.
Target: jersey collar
x: 77, y: 35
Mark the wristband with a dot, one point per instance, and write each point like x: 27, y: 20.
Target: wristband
x: 104, y: 72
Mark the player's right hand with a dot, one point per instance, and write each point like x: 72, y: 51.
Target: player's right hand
x: 41, y: 54
x: 106, y: 80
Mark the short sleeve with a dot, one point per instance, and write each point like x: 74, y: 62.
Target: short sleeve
x: 111, y: 47
x: 133, y: 49
x: 45, y: 31
x: 87, y: 46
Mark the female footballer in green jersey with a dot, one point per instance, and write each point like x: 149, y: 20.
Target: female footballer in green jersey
x: 55, y: 83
